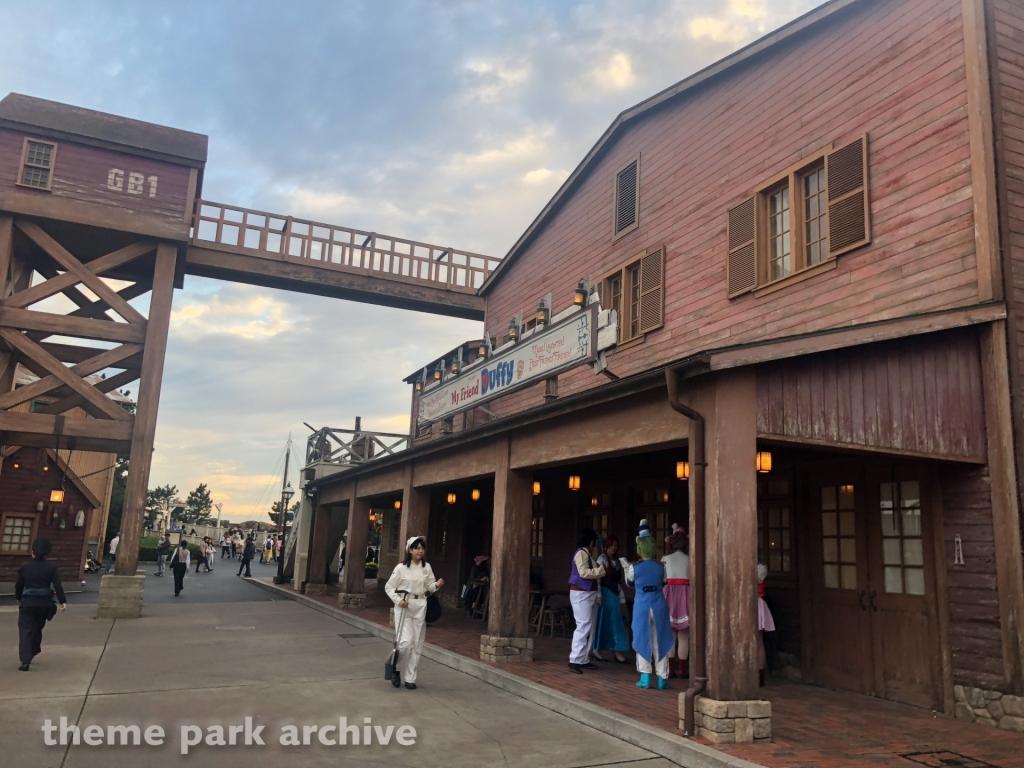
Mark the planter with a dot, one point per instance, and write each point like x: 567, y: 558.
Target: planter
x: 370, y: 573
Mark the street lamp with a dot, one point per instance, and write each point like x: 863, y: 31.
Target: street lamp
x: 286, y: 496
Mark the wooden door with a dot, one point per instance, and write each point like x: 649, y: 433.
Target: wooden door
x: 904, y: 639
x: 842, y: 652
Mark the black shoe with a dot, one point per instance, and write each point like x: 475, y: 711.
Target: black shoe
x: 575, y: 668
x: 23, y: 667
x: 410, y: 686
x: 396, y: 680
x: 589, y: 665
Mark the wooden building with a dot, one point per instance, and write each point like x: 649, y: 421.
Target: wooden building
x: 816, y: 243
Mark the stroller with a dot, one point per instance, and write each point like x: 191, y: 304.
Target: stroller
x: 391, y: 664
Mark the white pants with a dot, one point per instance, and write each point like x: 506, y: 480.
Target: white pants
x: 410, y: 641
x: 643, y: 666
x: 583, y: 608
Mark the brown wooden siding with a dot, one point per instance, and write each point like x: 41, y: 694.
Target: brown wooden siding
x: 893, y: 70
x: 974, y: 626
x: 920, y: 395
x: 80, y: 174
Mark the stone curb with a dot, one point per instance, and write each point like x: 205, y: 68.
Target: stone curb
x: 679, y: 750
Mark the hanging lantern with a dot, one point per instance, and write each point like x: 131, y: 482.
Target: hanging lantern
x: 513, y: 330
x: 536, y: 487
x: 475, y: 494
x: 580, y: 297
x: 419, y: 386
x: 764, y: 462
x: 574, y: 482
x: 451, y: 498
x: 398, y: 504
x: 56, y: 496
x: 682, y: 470
x: 543, y: 315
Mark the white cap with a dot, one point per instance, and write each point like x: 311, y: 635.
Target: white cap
x: 412, y: 540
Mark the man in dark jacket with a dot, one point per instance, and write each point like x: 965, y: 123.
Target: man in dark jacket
x: 37, y: 583
x: 163, y: 549
x: 247, y: 555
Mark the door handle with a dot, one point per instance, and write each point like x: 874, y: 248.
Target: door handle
x: 860, y: 600
x: 874, y: 594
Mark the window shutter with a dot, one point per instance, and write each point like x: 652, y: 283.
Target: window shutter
x: 742, y: 255
x: 846, y: 174
x: 626, y: 197
x: 652, y: 290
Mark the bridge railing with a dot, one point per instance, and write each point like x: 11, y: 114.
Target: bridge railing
x: 349, y: 446
x: 231, y: 228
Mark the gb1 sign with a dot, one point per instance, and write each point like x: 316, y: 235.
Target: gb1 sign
x: 566, y: 345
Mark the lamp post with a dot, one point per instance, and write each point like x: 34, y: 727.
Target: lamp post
x: 286, y: 496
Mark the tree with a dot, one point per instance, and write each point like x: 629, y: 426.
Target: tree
x: 197, y: 506
x: 157, y: 500
x: 116, y: 505
x: 275, y: 513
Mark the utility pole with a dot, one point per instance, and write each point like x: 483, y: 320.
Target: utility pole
x: 286, y: 497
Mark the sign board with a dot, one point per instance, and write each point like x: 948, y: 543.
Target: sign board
x: 542, y: 355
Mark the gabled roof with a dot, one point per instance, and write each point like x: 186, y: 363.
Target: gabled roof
x: 743, y: 55
x: 122, y: 134
x: 90, y: 497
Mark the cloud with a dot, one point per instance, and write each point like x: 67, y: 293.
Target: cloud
x: 615, y: 74
x: 249, y: 318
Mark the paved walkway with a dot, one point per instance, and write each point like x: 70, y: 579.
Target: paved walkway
x: 223, y: 652
x: 811, y: 726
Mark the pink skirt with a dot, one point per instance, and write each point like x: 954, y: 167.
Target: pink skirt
x: 765, y: 622
x: 678, y: 598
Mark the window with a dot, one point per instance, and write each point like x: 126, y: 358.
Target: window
x: 839, y: 537
x: 902, y: 544
x: 37, y: 164
x: 537, y: 530
x: 38, y: 405
x: 800, y: 219
x: 636, y: 291
x: 775, y: 524
x: 441, y: 534
x: 393, y: 531
x: 627, y: 201
x: 16, y: 534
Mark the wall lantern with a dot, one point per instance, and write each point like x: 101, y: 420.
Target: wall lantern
x: 764, y: 462
x: 536, y: 487
x: 482, y: 351
x: 451, y: 498
x: 513, y: 330
x: 574, y: 482
x: 46, y: 467
x: 16, y: 465
x: 664, y: 497
x: 682, y: 470
x: 398, y: 504
x: 419, y: 386
x: 580, y: 297
x: 593, y: 501
x: 475, y: 494
x: 437, y: 373
x: 543, y: 314
x: 455, y: 367
x: 56, y: 496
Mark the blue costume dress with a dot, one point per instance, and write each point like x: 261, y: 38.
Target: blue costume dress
x: 648, y: 578
x: 609, y: 629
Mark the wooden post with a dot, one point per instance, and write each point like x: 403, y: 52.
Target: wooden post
x: 7, y: 359
x: 510, y: 562
x: 353, y: 589
x: 729, y: 405
x: 145, y: 415
x: 415, y: 511
x: 316, y: 576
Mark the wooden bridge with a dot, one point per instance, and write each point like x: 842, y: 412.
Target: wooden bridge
x: 277, y: 251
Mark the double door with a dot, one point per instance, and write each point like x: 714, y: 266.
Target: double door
x: 872, y: 584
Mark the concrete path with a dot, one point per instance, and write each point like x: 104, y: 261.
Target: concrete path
x: 226, y: 651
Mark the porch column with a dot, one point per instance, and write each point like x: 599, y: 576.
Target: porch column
x: 316, y: 579
x: 415, y: 511
x: 353, y: 589
x: 507, y: 637
x: 729, y: 405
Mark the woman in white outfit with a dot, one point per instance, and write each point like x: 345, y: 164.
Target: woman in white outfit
x: 415, y: 580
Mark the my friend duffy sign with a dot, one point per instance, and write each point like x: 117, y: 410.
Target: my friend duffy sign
x: 565, y: 345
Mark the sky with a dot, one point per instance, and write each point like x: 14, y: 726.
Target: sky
x: 443, y: 122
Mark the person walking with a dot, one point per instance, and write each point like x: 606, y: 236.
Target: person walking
x: 652, y: 633
x: 584, y: 596
x: 37, y: 583
x: 677, y: 595
x: 201, y: 556
x: 247, y: 555
x: 268, y: 549
x: 410, y: 583
x: 163, y: 549
x: 112, y: 557
x: 224, y: 546
x: 180, y: 561
x: 211, y: 550
x: 277, y: 547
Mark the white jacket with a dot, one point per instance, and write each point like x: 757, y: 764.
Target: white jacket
x: 413, y: 579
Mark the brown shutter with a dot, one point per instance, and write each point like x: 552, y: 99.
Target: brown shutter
x: 849, y: 211
x: 742, y: 255
x: 626, y: 197
x: 652, y: 290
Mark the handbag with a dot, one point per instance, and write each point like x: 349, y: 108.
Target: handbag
x: 433, y: 608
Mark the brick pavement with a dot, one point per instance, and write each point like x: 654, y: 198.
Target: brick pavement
x: 811, y: 727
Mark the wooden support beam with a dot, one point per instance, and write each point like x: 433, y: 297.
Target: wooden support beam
x: 94, y: 444
x: 54, y: 426
x: 105, y: 359
x: 146, y: 412
x: 510, y: 546
x: 65, y: 374
x: 8, y: 360
x: 415, y: 510
x: 107, y: 385
x: 66, y: 325
x: 358, y: 529
x: 83, y: 274
x: 317, y: 572
x: 73, y: 353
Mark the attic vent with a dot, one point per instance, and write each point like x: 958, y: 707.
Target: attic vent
x: 626, y: 209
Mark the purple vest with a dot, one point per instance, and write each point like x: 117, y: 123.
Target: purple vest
x: 587, y: 585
